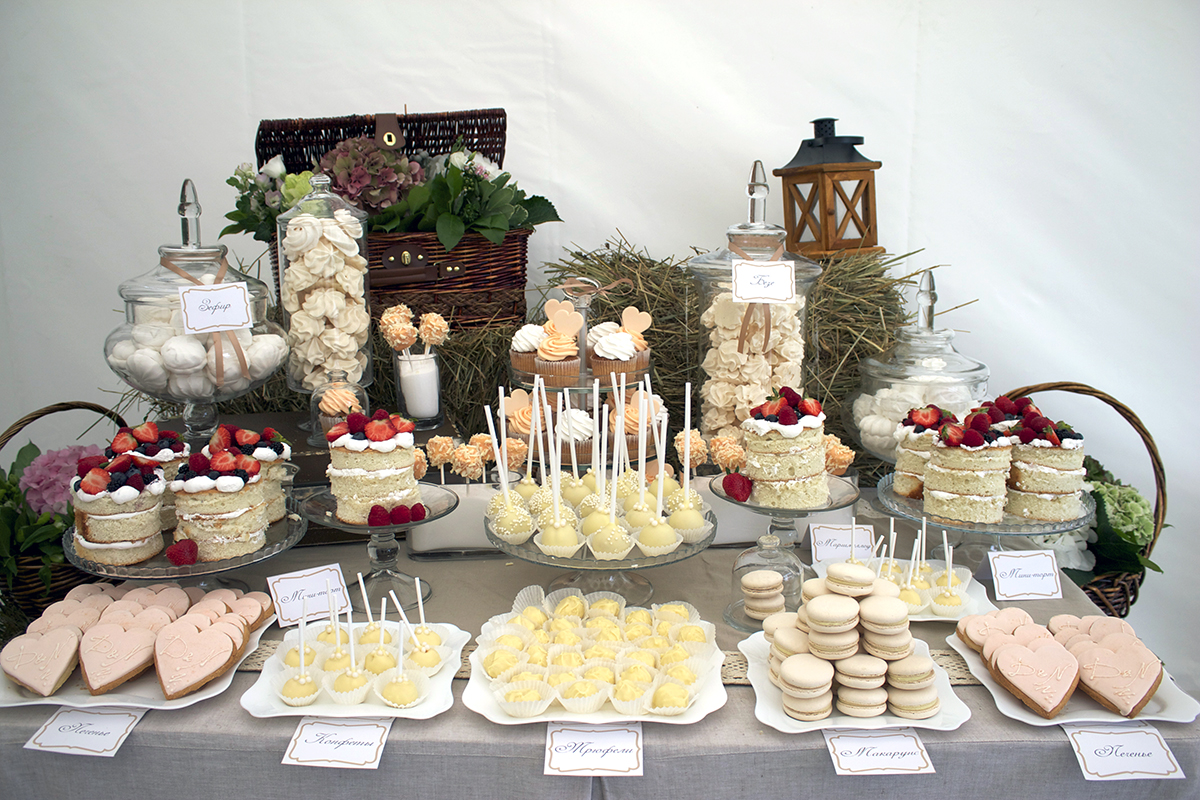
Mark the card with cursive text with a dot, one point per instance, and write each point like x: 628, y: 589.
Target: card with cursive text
x: 763, y: 281
x: 574, y: 748
x: 289, y: 589
x: 1123, y: 751
x: 341, y: 743
x: 832, y: 542
x: 209, y: 309
x: 1025, y: 574
x: 96, y: 731
x: 896, y: 751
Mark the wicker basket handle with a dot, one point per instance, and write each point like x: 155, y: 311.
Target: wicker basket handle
x: 1160, y: 478
x: 71, y: 405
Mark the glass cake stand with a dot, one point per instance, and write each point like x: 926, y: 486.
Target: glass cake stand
x: 589, y: 574
x: 319, y: 506
x: 842, y: 492
x: 281, y: 536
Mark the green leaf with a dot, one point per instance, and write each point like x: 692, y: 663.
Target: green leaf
x: 454, y: 181
x: 25, y: 457
x: 518, y: 217
x: 450, y: 230
x: 493, y: 235
x: 1079, y: 576
x: 1146, y: 562
x: 540, y: 210
x: 44, y: 573
x: 497, y: 221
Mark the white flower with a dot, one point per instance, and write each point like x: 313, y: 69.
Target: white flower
x: 274, y: 168
x: 458, y: 159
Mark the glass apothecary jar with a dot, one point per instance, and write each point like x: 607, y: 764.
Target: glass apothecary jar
x: 323, y: 266
x: 768, y: 554
x: 218, y: 347
x: 922, y: 368
x: 753, y: 348
x: 332, y: 402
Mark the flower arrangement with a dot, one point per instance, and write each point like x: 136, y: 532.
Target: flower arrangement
x: 363, y: 173
x: 35, y: 507
x: 263, y: 196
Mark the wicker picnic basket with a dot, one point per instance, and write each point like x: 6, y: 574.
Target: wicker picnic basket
x: 478, y: 283
x: 1116, y: 592
x: 28, y: 590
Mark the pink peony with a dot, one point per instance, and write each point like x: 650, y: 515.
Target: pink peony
x: 47, y: 480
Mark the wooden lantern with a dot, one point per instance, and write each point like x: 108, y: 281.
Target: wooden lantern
x: 829, y: 196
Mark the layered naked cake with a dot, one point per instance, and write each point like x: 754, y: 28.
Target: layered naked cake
x: 1046, y: 479
x: 117, y: 510
x: 967, y: 474
x: 270, y: 449
x: 148, y: 445
x: 371, y: 464
x: 220, y: 505
x: 914, y: 445
x: 785, y: 452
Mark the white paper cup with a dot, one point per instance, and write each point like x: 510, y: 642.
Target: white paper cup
x: 668, y: 711
x: 584, y: 705
x: 420, y: 683
x: 559, y: 551
x: 670, y: 615
x: 287, y: 673
x: 603, y: 556
x: 510, y: 675
x: 412, y: 666
x: 635, y: 707
x: 654, y: 552
x: 525, y: 708
x: 482, y: 655
x: 351, y: 698
x: 554, y: 598
x: 530, y: 596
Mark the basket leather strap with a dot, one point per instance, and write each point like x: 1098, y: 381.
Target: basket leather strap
x: 387, y: 132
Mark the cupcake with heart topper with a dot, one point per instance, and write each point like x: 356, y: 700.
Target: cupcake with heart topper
x: 557, y: 359
x: 625, y: 350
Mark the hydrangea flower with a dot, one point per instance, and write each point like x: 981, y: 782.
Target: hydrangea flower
x: 47, y: 480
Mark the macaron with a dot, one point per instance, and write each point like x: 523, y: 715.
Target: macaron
x: 784, y: 619
x: 789, y: 641
x: 813, y: 587
x: 833, y: 646
x: 883, y: 614
x: 884, y: 587
x: 763, y: 590
x: 802, y: 618
x: 888, y: 646
x: 862, y: 702
x: 861, y: 671
x: 852, y: 580
x: 808, y: 709
x: 805, y: 675
x: 912, y: 672
x: 913, y: 703
x: 832, y: 613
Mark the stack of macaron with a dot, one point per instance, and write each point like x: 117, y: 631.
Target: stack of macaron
x: 849, y: 640
x: 763, y: 590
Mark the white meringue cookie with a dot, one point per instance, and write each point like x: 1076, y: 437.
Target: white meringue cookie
x: 324, y: 259
x: 314, y: 379
x: 303, y: 232
x: 350, y: 281
x: 146, y: 370
x: 339, y: 342
x: 356, y: 262
x: 152, y: 334
x: 354, y: 319
x: 325, y: 303
x: 349, y: 223
x: 337, y: 237
x: 183, y: 355
x: 191, y: 386
x: 121, y: 352
x: 151, y: 311
x: 312, y: 351
x: 231, y: 368
x: 265, y: 353
x: 305, y: 326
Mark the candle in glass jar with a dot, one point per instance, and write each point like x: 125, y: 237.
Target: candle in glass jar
x: 420, y: 385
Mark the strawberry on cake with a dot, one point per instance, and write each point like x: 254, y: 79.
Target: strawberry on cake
x: 968, y: 470
x: 220, y: 502
x: 785, y: 452
x: 269, y: 448
x: 914, y: 445
x: 1046, y: 480
x: 117, y: 505
x: 371, y: 464
x: 160, y: 448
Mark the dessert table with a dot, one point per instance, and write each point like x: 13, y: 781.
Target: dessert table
x: 215, y: 748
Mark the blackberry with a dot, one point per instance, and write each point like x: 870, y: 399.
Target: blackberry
x: 150, y: 449
x: 241, y: 473
x: 277, y: 447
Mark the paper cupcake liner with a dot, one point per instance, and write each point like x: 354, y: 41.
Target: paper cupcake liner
x: 494, y: 634
x: 668, y: 711
x: 635, y: 707
x: 598, y: 620
x: 530, y: 596
x: 709, y: 629
x: 919, y: 608
x: 653, y: 552
x: 444, y: 632
x: 443, y: 654
x: 522, y: 362
x: 962, y: 573
x: 320, y: 649
x: 351, y: 698
x: 625, y: 662
x: 556, y: 651
x: 554, y: 674
x: 519, y: 537
x: 950, y: 612
x: 699, y: 666
x: 394, y: 652
x: 566, y: 513
x: 524, y: 708
x: 600, y: 556
x: 692, y: 614
x: 282, y: 677
x: 559, y: 551
x: 482, y: 655
x: 391, y: 628
x: 554, y: 598
x: 584, y: 705
x: 647, y: 643
x: 558, y: 373
x: 693, y: 650
x: 693, y: 535
x: 597, y: 608
x: 632, y: 614
x: 509, y: 675
x: 420, y: 682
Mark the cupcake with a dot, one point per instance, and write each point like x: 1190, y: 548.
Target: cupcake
x: 625, y: 350
x: 596, y: 333
x: 335, y: 405
x: 523, y: 350
x: 557, y: 359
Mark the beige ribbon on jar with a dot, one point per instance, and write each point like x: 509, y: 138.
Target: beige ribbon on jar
x: 217, y: 348
x: 766, y: 307
x: 574, y: 287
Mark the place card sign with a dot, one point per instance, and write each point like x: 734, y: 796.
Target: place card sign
x: 340, y: 743
x: 290, y: 589
x: 579, y: 749
x: 896, y: 751
x: 763, y: 281
x: 1122, y: 752
x: 832, y: 542
x: 96, y: 731
x: 1025, y: 575
x: 211, y: 309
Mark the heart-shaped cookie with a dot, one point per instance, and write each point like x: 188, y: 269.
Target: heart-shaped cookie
x: 552, y: 307
x: 109, y: 655
x: 1106, y: 625
x: 1042, y: 679
x: 187, y: 659
x: 174, y: 599
x: 516, y: 401
x: 81, y: 618
x: 566, y: 322
x: 634, y: 321
x: 1121, y: 680
x: 153, y: 619
x: 84, y: 590
x: 41, y: 662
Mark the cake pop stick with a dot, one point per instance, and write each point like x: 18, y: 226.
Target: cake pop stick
x: 851, y: 559
x: 350, y: 626
x: 334, y: 619
x: 399, y: 609
x: 595, y: 427
x: 366, y: 604
x: 892, y: 542
x: 496, y: 449
x: 642, y: 443
x: 687, y: 451
x: 555, y: 458
x: 420, y: 602
x: 533, y: 432
x: 612, y: 493
x: 602, y: 473
x: 503, y: 431
x: 566, y: 395
x: 303, y: 626
x: 537, y: 426
x: 945, y: 547
x: 382, y: 618
x: 879, y: 566
x: 660, y: 444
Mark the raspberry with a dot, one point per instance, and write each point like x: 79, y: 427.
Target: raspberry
x: 135, y: 480
x: 417, y: 511
x: 973, y: 438
x: 378, y: 515
x: 198, y: 463
x: 792, y: 397
x: 1026, y: 435
x: 787, y: 416
x: 380, y: 414
x: 357, y: 422
x: 88, y: 463
x: 996, y: 413
x: 183, y: 552
x: 401, y: 514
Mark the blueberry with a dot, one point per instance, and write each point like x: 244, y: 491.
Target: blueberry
x: 213, y: 474
x: 773, y: 418
x: 75, y: 485
x: 360, y: 436
x: 108, y: 453
x: 117, y: 478
x: 918, y: 429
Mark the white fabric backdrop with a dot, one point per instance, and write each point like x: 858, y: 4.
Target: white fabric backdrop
x: 1045, y: 152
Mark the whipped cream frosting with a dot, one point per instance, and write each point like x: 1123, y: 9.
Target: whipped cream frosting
x: 356, y: 472
x: 264, y: 453
x: 1067, y: 444
x: 762, y: 427
x: 527, y: 339
x: 347, y: 441
x: 86, y: 545
x: 203, y: 483
x: 575, y: 426
x: 617, y: 346
x: 165, y: 454
x: 599, y: 331
x: 125, y: 494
